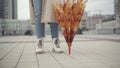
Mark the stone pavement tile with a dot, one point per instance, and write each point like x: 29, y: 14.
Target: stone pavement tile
x: 28, y: 54
x: 67, y: 61
x: 7, y: 65
x: 99, y: 66
x: 79, y: 66
x: 27, y: 65
x: 49, y: 64
x: 113, y: 63
x: 10, y: 59
x: 96, y: 63
x: 47, y: 61
x: 116, y: 66
x: 83, y: 59
x: 2, y: 46
x: 101, y: 58
x: 6, y: 51
x: 28, y: 60
x: 14, y: 55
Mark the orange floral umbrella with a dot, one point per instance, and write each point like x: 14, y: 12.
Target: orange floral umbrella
x: 69, y: 14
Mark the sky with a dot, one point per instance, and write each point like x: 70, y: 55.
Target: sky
x: 92, y: 7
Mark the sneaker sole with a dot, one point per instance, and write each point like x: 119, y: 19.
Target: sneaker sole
x: 57, y: 51
x: 40, y: 52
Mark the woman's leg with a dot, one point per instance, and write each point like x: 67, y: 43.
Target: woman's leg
x: 56, y: 42
x: 54, y: 30
x: 40, y: 27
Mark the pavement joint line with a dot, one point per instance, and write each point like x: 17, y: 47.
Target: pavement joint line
x: 8, y: 52
x: 55, y: 59
x: 37, y: 58
x: 73, y: 58
x: 20, y: 56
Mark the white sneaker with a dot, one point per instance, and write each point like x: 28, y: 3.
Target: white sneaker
x: 39, y: 49
x: 56, y: 46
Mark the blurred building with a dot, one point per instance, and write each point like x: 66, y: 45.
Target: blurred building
x: 1, y: 9
x: 8, y: 9
x: 97, y: 21
x: 117, y: 11
x: 117, y: 6
x: 105, y: 24
x: 15, y: 27
x: 101, y: 24
x: 83, y: 23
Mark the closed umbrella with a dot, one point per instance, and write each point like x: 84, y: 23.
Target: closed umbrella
x: 69, y: 14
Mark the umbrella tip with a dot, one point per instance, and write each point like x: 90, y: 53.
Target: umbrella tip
x: 69, y: 50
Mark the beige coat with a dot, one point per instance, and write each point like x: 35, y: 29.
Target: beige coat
x: 48, y: 14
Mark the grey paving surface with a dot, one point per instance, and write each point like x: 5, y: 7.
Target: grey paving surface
x: 88, y: 51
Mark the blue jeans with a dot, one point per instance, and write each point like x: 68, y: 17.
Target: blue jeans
x: 40, y: 27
